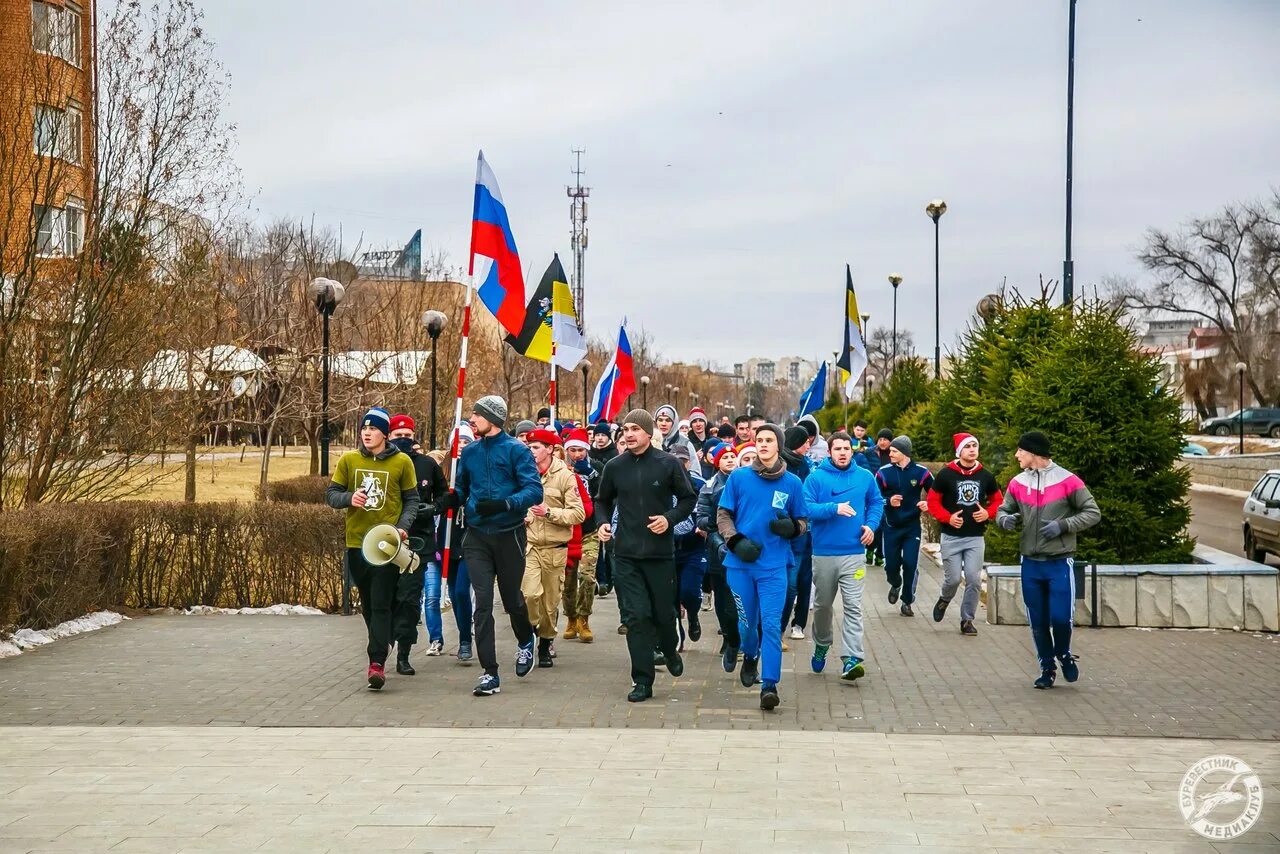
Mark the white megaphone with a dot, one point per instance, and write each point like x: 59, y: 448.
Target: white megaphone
x: 382, y: 545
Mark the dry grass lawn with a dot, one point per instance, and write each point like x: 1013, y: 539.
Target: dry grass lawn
x: 224, y: 477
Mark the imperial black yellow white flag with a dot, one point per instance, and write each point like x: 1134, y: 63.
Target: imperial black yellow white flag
x: 854, y: 360
x: 549, y: 317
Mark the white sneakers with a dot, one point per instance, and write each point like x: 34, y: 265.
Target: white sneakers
x: 797, y: 633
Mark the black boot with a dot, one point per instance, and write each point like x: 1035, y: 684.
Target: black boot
x: 403, y: 667
x: 544, y: 653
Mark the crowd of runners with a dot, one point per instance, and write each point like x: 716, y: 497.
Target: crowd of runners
x: 680, y: 517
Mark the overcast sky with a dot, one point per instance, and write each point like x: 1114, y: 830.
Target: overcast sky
x: 740, y: 153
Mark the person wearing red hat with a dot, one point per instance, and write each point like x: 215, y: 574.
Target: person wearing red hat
x: 584, y: 548
x: 964, y: 497
x: 698, y: 427
x: 550, y: 526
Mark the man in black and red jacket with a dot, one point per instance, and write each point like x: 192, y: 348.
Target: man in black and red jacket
x: 964, y: 498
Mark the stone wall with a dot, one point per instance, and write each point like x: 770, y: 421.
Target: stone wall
x: 1234, y: 472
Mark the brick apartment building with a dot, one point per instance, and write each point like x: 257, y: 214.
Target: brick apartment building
x: 46, y: 127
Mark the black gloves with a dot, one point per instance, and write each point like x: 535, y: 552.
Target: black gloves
x: 449, y: 501
x: 491, y: 506
x: 785, y: 527
x: 747, y: 551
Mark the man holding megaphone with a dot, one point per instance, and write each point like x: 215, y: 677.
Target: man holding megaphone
x: 376, y: 485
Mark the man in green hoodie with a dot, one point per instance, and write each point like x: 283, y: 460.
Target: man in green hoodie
x: 376, y: 485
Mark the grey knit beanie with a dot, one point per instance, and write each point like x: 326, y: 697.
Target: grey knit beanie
x: 903, y: 444
x: 492, y: 408
x: 641, y: 418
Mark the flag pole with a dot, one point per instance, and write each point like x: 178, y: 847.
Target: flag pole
x: 552, y: 393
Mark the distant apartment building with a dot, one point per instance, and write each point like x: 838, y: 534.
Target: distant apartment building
x: 788, y: 370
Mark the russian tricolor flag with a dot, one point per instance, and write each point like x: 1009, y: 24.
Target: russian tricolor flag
x: 617, y: 382
x: 502, y: 285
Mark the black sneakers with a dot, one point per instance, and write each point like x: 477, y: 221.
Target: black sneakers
x: 769, y: 698
x: 893, y: 594
x: 1070, y: 670
x: 967, y: 629
x: 749, y: 672
x: 544, y: 653
x: 675, y: 664
x: 639, y: 694
x: 1046, y: 679
x: 906, y: 611
x: 940, y: 610
x: 695, y: 627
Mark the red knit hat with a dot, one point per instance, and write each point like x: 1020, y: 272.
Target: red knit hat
x: 402, y: 422
x: 577, y: 438
x: 962, y: 439
x: 744, y: 447
x: 697, y: 412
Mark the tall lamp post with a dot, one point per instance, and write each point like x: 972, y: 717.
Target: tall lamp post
x: 675, y: 401
x: 935, y: 209
x: 435, y: 322
x: 895, y: 279
x: 1068, y: 266
x: 644, y: 392
x: 326, y: 294
x: 586, y: 368
x: 1241, y: 367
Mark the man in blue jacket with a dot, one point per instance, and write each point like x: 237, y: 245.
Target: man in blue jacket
x: 844, y: 507
x: 904, y: 485
x: 498, y: 482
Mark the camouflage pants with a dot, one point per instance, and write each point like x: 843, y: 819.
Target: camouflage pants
x: 580, y: 583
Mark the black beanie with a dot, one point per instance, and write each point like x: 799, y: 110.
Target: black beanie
x: 795, y: 437
x: 725, y: 431
x: 603, y: 429
x: 809, y: 427
x: 1035, y: 442
x: 885, y: 433
x: 544, y: 412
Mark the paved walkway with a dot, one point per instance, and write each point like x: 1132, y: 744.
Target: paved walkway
x: 923, y: 678
x: 128, y: 789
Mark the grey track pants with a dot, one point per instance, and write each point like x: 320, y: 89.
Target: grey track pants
x: 846, y: 574
x: 963, y: 556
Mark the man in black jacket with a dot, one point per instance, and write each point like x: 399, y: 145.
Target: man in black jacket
x: 651, y: 492
x: 432, y: 487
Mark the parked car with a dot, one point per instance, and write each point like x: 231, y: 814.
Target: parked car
x: 1257, y: 421
x: 1262, y: 518
x: 1191, y: 449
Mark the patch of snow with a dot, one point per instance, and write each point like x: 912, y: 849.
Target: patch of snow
x: 273, y: 610
x: 1219, y: 490
x: 24, y: 639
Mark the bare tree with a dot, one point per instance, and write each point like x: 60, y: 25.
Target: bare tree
x: 82, y: 270
x: 1218, y: 271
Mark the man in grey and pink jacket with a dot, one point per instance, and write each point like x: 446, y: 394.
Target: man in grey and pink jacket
x: 1053, y: 506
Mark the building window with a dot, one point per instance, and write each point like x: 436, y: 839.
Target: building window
x: 56, y: 30
x: 59, y: 231
x: 59, y: 133
x: 46, y: 230
x: 73, y: 135
x: 73, y: 219
x: 48, y: 120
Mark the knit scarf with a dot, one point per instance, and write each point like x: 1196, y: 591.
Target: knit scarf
x: 778, y: 469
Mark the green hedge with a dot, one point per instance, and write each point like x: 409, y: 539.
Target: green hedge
x: 60, y: 561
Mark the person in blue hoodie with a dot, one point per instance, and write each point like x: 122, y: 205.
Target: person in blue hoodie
x: 845, y: 509
x: 904, y: 485
x: 498, y: 482
x: 761, y: 511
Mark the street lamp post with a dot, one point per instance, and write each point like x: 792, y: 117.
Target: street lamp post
x: 871, y: 384
x: 1068, y: 266
x: 895, y: 279
x: 935, y: 209
x: 675, y: 401
x: 326, y: 294
x: 586, y: 367
x: 435, y: 322
x: 644, y: 392
x: 1241, y: 367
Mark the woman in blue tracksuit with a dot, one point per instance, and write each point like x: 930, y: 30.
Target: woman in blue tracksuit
x: 761, y: 510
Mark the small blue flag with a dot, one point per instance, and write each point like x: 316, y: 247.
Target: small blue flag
x: 812, y: 399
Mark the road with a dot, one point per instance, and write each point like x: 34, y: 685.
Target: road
x: 1215, y: 521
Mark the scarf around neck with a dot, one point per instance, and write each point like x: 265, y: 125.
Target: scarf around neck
x: 778, y: 469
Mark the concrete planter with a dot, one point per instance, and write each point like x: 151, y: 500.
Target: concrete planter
x: 1219, y: 591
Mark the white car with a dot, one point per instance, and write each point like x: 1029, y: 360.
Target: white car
x: 1262, y: 518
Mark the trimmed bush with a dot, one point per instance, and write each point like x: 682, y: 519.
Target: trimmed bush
x: 305, y: 489
x: 60, y: 561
